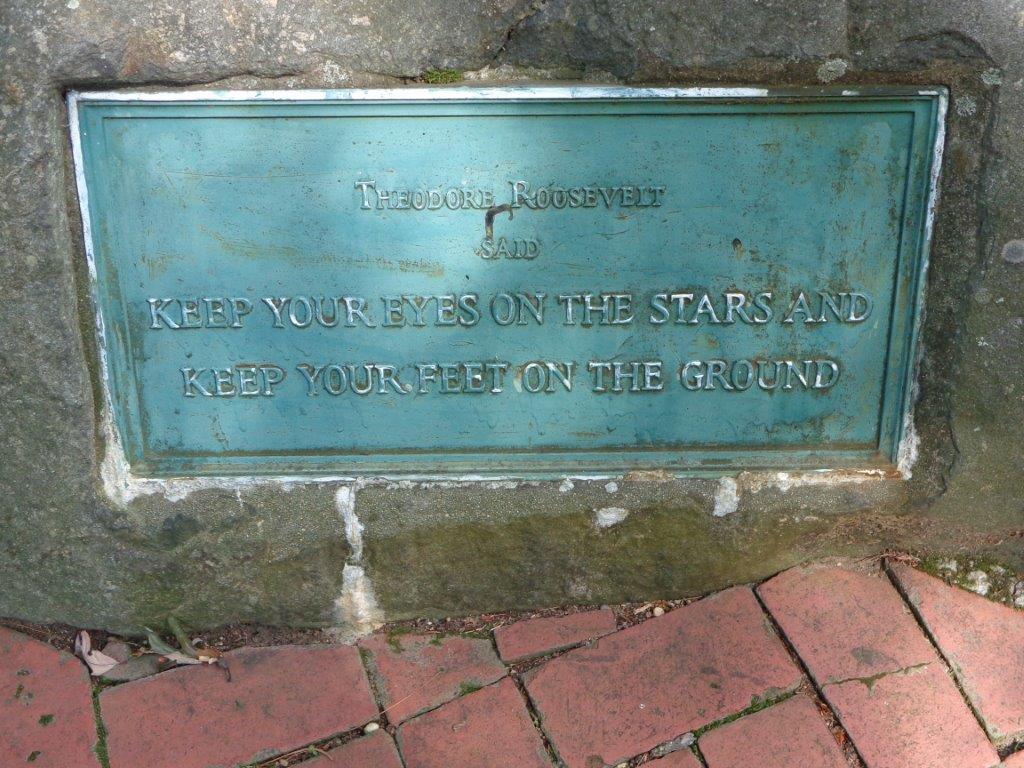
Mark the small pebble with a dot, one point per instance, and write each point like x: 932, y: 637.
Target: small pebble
x: 681, y: 742
x: 658, y: 611
x: 371, y: 727
x: 1018, y: 594
x: 977, y: 581
x: 135, y: 668
x: 118, y: 650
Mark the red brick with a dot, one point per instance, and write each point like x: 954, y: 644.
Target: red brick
x: 650, y: 683
x: 488, y: 728
x: 681, y: 758
x: 417, y: 672
x: 375, y: 751
x: 915, y: 718
x: 535, y: 637
x: 845, y: 624
x: 983, y: 642
x: 278, y: 699
x: 45, y: 706
x: 785, y: 735
x: 877, y: 669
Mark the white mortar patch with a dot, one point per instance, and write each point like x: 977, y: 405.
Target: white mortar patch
x: 122, y: 487
x: 727, y: 497
x: 755, y: 482
x: 906, y: 455
x: 355, y: 610
x: 345, y: 502
x: 606, y: 517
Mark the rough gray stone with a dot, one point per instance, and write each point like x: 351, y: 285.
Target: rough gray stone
x: 645, y: 39
x: 117, y: 650
x: 135, y: 668
x: 280, y: 555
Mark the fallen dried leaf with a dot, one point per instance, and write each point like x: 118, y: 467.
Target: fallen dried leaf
x: 97, y: 661
x: 180, y: 658
x: 208, y: 655
x: 158, y: 645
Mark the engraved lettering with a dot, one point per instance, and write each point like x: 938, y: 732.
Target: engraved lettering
x: 276, y: 306
x: 192, y: 385
x: 158, y: 314
x: 768, y: 375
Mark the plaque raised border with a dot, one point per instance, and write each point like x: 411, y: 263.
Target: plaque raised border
x: 125, y: 419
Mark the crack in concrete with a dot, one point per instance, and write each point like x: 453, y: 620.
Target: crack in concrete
x: 532, y: 10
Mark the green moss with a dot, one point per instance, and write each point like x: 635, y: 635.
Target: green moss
x: 441, y: 76
x: 101, y: 732
x: 394, y: 637
x: 541, y: 558
x: 957, y: 570
x: 477, y: 634
x: 757, y: 703
x: 469, y: 686
x: 45, y: 720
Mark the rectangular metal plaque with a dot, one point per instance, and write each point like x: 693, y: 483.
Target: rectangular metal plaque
x: 506, y: 281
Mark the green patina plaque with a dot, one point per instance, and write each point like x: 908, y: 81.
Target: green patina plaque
x: 508, y: 281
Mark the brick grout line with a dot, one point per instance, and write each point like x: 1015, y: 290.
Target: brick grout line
x: 515, y: 676
x: 528, y: 665
x: 695, y: 748
x: 946, y: 665
x: 458, y: 696
x: 701, y: 730
x: 531, y: 664
x: 531, y: 710
x: 373, y: 678
x: 714, y: 725
x: 536, y: 719
x: 632, y: 761
x: 819, y: 693
x: 347, y: 737
x: 398, y: 748
x: 101, y: 729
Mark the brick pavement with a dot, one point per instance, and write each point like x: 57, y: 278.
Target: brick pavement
x: 827, y: 666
